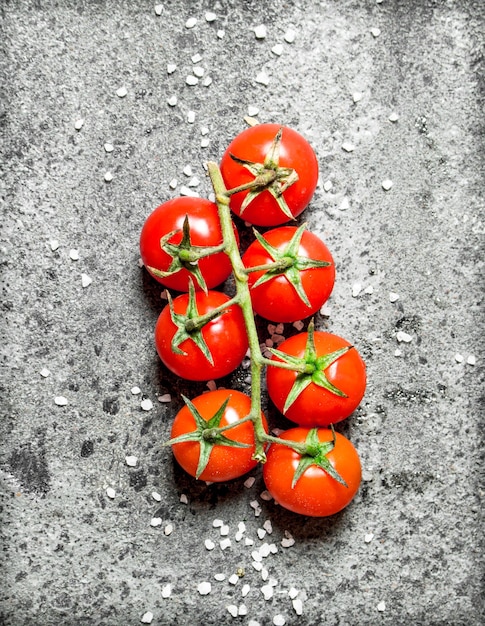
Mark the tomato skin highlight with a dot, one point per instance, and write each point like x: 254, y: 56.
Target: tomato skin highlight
x: 225, y: 463
x: 276, y: 299
x: 316, y: 493
x: 316, y: 406
x: 225, y: 337
x: 205, y: 230
x: 253, y: 144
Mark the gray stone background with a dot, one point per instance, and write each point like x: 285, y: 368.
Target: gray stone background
x: 408, y: 549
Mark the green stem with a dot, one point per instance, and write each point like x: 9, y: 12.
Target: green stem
x: 199, y: 322
x: 242, y: 290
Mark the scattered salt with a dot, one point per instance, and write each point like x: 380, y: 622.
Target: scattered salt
x: 147, y: 404
x: 375, y: 32
x: 381, y: 607
x: 171, y: 67
x: 156, y: 521
x: 245, y: 590
x: 393, y: 117
x: 110, y: 492
x: 242, y: 610
x: 131, y: 461
x: 79, y: 124
x: 156, y: 496
x: 298, y: 606
x: 345, y: 204
x: 327, y: 185
x: 121, y: 92
x: 173, y: 183
x: 348, y: 147
x: 198, y: 71
x: 357, y: 96
x: 209, y: 544
x: 369, y: 537
x: 158, y: 9
x: 167, y: 591
x: 267, y: 591
x: 191, y: 117
x: 44, y: 372
x: 191, y: 22
x: 262, y: 78
x: 184, y: 499
x: 217, y: 523
x: 279, y: 620
x: 220, y: 577
x: 277, y: 49
x: 356, y: 289
x: 165, y: 398
x: 401, y: 336
x: 108, y: 147
x: 293, y: 593
x: 387, y: 184
x: 393, y: 297
x: 54, y: 244
x: 290, y: 35
x: 60, y: 401
x: 108, y: 177
x: 191, y: 80
x: 234, y: 579
x: 287, y: 540
x: 233, y: 610
x: 458, y: 358
x: 204, y: 588
x: 220, y: 34
x: 260, y: 31
x: 210, y: 17
x: 147, y: 618
x: 471, y: 360
x: 168, y: 530
x: 172, y: 101
x: 253, y: 111
x: 225, y: 543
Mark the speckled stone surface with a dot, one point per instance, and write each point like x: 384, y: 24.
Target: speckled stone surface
x: 402, y: 82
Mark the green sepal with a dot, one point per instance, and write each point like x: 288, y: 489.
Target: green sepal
x: 310, y: 368
x: 317, y: 455
x: 181, y: 334
x: 288, y: 263
x: 269, y: 176
x: 184, y: 255
x: 206, y: 434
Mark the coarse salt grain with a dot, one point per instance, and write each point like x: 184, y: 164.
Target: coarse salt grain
x: 147, y: 404
x: 204, y: 142
x: 225, y: 543
x: 187, y: 191
x: 248, y: 541
x: 211, y: 385
x: 209, y: 544
x: 108, y: 177
x: 135, y: 390
x: 156, y: 521
x: 393, y: 117
x: 279, y: 620
x: 471, y: 359
x: 262, y: 78
x: 327, y: 185
x: 54, y: 244
x: 261, y: 533
x: 191, y: 117
x: 393, y: 297
x: 253, y: 111
x: 232, y: 609
x: 121, y: 92
x: 297, y: 606
x: 184, y: 499
x: 345, y: 204
x: 60, y: 401
x: 44, y: 372
x: 288, y: 540
x: 220, y: 33
x: 172, y: 101
x: 204, y: 588
x: 194, y: 182
x: 191, y: 80
x: 108, y: 147
x: 242, y: 610
x: 348, y: 147
x: 233, y: 579
x: 173, y: 183
x: 387, y: 184
x: 158, y: 9
x: 458, y: 358
x: 79, y: 124
x: 165, y: 398
x: 356, y: 289
x: 293, y: 592
x: 210, y: 16
x: 253, y: 623
x: 369, y: 290
x: 260, y: 31
x: 375, y: 32
x: 131, y: 461
x: 369, y: 537
x: 401, y: 336
x: 156, y: 496
x: 381, y: 607
x: 147, y: 618
x: 245, y: 590
x: 110, y: 492
x: 268, y: 526
x: 220, y: 577
x: 198, y: 71
x: 191, y: 22
x: 171, y: 67
x: 357, y: 96
x: 267, y: 591
x: 167, y: 591
x: 290, y: 35
x: 277, y: 49
x: 224, y: 530
x: 397, y: 352
x: 168, y: 530
x: 217, y: 523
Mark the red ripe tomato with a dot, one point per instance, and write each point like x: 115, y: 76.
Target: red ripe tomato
x: 205, y: 230
x: 301, y: 289
x: 329, y: 393
x: 225, y: 462
x: 316, y: 493
x: 224, y: 338
x: 254, y: 149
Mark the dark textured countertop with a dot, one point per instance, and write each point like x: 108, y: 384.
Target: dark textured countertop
x: 384, y: 91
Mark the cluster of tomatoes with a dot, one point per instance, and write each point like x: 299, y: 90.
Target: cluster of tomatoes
x: 286, y: 274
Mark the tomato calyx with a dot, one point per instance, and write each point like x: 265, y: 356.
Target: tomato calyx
x: 268, y: 176
x: 311, y: 368
x: 315, y: 453
x: 184, y: 255
x: 287, y: 263
x: 189, y: 325
x: 207, y: 433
